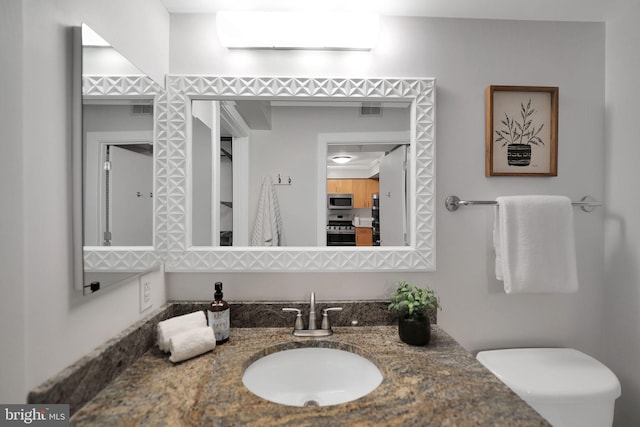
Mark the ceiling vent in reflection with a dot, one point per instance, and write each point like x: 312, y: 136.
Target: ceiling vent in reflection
x: 371, y: 109
x: 142, y: 109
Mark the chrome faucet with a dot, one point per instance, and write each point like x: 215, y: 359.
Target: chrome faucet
x: 312, y: 312
x: 312, y: 330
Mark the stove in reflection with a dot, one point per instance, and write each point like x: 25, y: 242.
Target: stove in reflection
x: 340, y: 230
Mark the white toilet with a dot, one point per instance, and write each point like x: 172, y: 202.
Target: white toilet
x: 567, y: 387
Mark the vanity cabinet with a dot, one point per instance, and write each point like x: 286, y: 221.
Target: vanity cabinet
x: 362, y: 190
x: 364, y: 236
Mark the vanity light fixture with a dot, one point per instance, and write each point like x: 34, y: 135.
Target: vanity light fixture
x: 297, y: 30
x: 341, y: 159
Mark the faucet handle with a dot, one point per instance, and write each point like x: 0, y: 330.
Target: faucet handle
x: 325, y: 317
x: 299, y: 325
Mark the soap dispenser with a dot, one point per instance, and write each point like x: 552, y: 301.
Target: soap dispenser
x: 218, y: 315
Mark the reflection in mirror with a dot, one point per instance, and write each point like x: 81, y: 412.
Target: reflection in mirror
x: 118, y: 155
x: 206, y: 140
x: 373, y: 178
x: 118, y: 177
x: 115, y: 147
x: 247, y: 141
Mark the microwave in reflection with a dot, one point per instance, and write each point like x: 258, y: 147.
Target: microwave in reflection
x: 340, y: 201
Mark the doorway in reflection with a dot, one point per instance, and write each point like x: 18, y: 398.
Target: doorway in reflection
x: 208, y: 138
x: 373, y: 176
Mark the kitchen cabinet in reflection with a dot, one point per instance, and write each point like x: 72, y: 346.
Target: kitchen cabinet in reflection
x: 364, y: 236
x: 361, y: 188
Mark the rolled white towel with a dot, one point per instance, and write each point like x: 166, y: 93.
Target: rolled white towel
x: 191, y: 343
x: 170, y: 327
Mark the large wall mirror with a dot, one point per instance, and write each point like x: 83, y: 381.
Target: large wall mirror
x: 359, y: 148
x: 116, y: 153
x: 238, y: 144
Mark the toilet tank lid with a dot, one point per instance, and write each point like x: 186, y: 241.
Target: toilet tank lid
x: 560, y: 374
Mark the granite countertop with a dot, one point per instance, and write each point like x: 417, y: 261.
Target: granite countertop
x: 438, y: 385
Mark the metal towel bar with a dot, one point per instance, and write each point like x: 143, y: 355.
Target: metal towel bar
x: 587, y: 204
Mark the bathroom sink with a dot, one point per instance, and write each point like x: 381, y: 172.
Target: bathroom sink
x: 312, y: 376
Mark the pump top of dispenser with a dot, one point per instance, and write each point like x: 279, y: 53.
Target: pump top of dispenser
x: 218, y: 293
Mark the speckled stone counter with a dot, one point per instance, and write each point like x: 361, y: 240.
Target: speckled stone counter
x: 85, y: 378
x: 437, y: 385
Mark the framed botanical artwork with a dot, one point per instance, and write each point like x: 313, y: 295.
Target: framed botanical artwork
x: 521, y: 131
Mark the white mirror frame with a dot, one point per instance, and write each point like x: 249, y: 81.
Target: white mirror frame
x: 134, y: 258
x: 419, y: 256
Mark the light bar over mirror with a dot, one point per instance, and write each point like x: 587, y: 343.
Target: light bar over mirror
x: 297, y: 30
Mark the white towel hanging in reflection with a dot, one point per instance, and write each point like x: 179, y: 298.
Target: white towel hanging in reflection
x: 535, y: 244
x: 267, y: 230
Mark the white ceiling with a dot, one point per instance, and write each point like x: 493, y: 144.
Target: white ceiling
x: 554, y: 10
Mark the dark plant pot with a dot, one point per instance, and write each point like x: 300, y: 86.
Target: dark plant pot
x: 519, y: 154
x: 414, y: 330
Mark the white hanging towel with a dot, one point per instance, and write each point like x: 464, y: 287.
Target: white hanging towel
x: 267, y: 230
x: 534, y: 242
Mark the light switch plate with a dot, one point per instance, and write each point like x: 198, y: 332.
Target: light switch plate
x: 145, y: 293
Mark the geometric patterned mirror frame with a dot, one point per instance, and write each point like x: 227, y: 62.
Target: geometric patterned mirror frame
x: 134, y: 258
x: 171, y: 177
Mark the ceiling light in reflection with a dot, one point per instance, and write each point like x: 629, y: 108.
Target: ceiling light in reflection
x: 341, y: 159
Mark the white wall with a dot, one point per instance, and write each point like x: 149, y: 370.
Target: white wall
x: 46, y: 325
x: 465, y: 56
x: 201, y: 184
x: 622, y: 244
x: 12, y: 304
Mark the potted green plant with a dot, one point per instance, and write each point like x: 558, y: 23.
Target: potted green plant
x: 520, y: 135
x: 413, y: 305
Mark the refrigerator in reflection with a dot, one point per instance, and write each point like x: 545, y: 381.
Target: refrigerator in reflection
x: 375, y: 214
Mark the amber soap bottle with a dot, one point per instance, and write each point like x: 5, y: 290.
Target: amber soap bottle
x: 218, y: 315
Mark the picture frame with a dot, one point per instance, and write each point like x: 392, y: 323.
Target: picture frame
x: 521, y: 131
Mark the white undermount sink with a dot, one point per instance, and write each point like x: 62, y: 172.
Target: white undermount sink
x: 312, y: 376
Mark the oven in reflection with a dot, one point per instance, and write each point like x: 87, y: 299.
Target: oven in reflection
x: 341, y: 239
x: 340, y: 230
